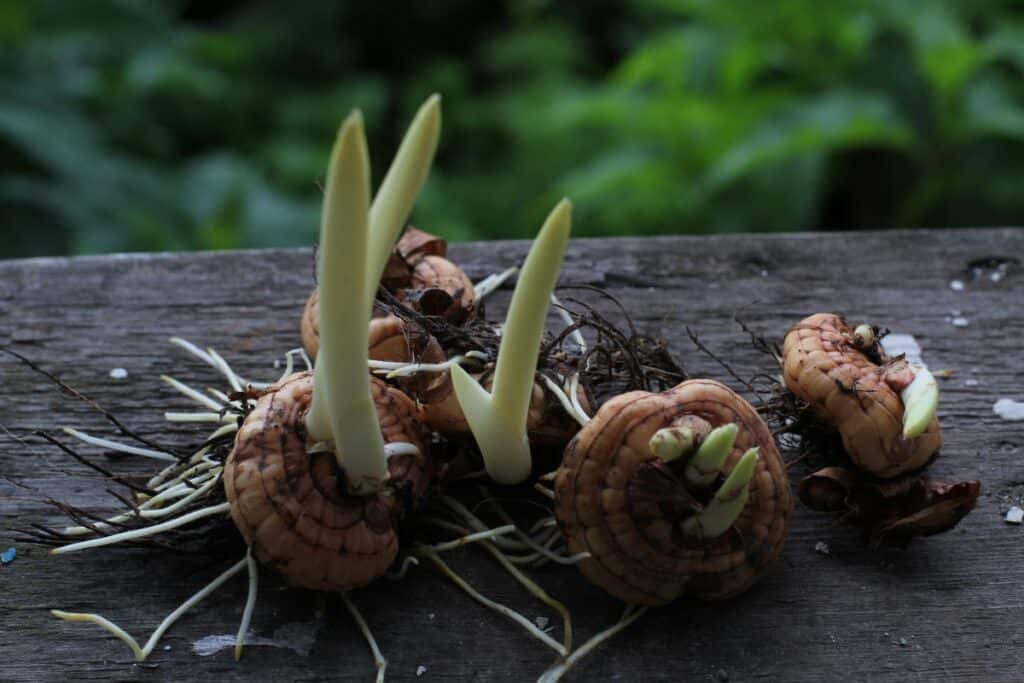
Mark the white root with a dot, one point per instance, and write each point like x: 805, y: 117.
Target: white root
x: 120, y: 447
x: 548, y: 554
x: 574, y: 396
x: 148, y: 510
x: 222, y: 397
x: 395, y: 448
x: 472, y: 538
x: 196, y: 396
x: 408, y: 369
x: 213, y: 359
x: 193, y: 349
x: 559, y: 669
x: 570, y: 402
x: 485, y: 287
x: 141, y: 653
x: 403, y: 569
x: 501, y: 541
x: 477, y: 524
x: 200, y: 467
x: 538, y: 592
x: 501, y: 609
x: 236, y: 382
x: 563, y: 313
x: 544, y: 490
x: 391, y: 369
x: 378, y: 657
x: 536, y: 558
x: 289, y: 367
x: 538, y: 547
x: 489, y: 538
x: 144, y: 532
x: 199, y: 461
x: 250, y: 602
x: 543, y: 523
x: 200, y: 417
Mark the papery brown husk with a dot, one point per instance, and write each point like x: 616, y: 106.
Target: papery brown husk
x: 436, y: 286
x: 886, y: 515
x: 417, y: 274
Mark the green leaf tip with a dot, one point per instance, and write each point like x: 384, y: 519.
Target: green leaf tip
x: 706, y: 464
x: 498, y: 419
x: 920, y: 402
x: 728, y: 502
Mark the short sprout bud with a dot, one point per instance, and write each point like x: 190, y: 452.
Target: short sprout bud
x: 705, y: 466
x: 672, y: 442
x: 728, y: 502
x: 864, y: 336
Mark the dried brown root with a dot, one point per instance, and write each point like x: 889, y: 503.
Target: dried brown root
x: 179, y: 508
x: 570, y: 375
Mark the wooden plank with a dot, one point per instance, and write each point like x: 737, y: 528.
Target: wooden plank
x: 946, y: 609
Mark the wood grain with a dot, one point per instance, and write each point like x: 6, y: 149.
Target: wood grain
x: 948, y: 608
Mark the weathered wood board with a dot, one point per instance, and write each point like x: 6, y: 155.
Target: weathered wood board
x: 948, y: 608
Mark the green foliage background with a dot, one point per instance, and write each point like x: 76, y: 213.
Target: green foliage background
x: 138, y: 125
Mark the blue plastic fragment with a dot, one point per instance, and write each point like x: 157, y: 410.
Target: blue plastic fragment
x: 7, y: 556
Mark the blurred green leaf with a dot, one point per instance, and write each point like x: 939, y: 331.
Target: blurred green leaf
x: 128, y: 124
x: 816, y: 125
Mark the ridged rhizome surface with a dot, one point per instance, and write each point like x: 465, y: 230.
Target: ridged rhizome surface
x: 639, y: 553
x: 847, y: 390
x: 291, y: 506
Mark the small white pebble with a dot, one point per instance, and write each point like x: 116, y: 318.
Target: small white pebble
x: 1008, y: 409
x: 277, y: 363
x: 420, y: 670
x: 1015, y: 515
x: 903, y: 642
x: 118, y: 373
x: 430, y: 616
x: 971, y: 382
x: 957, y: 285
x: 894, y: 344
x: 167, y: 648
x: 822, y: 548
x: 542, y: 622
x: 960, y: 321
